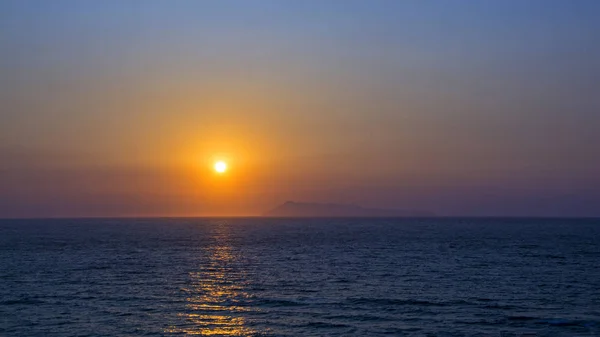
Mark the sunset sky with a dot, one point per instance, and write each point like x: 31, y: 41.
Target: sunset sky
x: 121, y: 108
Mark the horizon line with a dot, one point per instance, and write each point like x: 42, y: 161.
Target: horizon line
x: 149, y: 217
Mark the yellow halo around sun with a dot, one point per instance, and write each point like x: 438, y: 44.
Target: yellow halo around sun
x: 220, y: 166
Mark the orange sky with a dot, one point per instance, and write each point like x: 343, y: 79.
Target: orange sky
x: 116, y: 109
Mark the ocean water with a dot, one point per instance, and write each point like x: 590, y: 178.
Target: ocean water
x: 300, y: 277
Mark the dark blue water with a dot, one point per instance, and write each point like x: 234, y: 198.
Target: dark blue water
x: 315, y: 277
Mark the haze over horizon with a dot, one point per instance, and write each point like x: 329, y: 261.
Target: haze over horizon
x: 476, y: 108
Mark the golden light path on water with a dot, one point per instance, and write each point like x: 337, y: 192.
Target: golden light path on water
x: 215, y: 292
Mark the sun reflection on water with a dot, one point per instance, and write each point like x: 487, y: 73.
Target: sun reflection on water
x: 216, y: 293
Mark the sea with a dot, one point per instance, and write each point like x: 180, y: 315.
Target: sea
x: 300, y: 277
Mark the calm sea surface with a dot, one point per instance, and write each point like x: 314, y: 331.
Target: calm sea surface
x: 304, y: 277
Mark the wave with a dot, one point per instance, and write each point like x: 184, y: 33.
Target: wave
x: 398, y: 302
x: 26, y: 301
x: 268, y: 302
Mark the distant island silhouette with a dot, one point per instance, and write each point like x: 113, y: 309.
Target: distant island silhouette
x: 307, y: 209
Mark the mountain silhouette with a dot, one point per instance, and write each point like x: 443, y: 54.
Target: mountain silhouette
x: 305, y: 209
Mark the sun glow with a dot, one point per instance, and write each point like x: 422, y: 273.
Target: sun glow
x: 220, y: 167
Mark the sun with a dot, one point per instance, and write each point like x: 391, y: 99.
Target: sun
x: 220, y: 166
